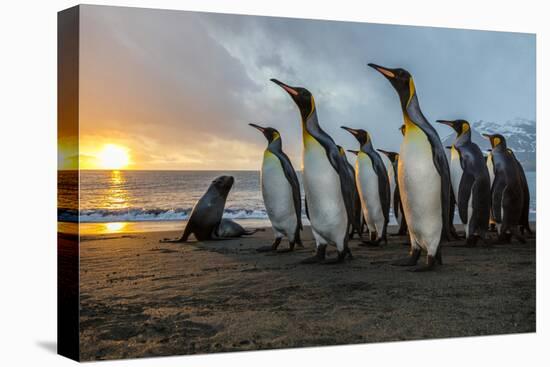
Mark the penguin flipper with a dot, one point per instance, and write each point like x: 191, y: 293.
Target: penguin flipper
x: 496, y: 194
x: 383, y: 183
x: 346, y: 183
x: 464, y: 194
x: 292, y: 179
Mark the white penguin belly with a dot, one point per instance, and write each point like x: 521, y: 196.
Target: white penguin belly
x: 420, y: 190
x: 278, y: 199
x: 456, y: 171
x: 327, y: 211
x: 367, y: 185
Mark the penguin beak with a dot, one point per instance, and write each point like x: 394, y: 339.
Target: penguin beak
x: 388, y: 73
x: 257, y: 127
x: 449, y: 147
x: 349, y: 129
x: 353, y: 151
x: 289, y: 89
x: 382, y: 151
x: 488, y: 136
x: 445, y: 122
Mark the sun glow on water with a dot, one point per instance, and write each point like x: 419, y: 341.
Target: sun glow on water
x: 114, y: 227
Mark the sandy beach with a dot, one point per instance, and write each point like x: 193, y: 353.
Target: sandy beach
x: 140, y: 298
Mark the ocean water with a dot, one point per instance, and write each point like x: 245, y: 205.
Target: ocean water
x: 166, y: 196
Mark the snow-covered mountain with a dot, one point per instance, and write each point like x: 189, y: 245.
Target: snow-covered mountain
x: 520, y: 136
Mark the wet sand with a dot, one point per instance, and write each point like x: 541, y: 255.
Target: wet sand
x: 140, y: 298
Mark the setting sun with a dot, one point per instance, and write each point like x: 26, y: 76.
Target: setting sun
x: 113, y: 157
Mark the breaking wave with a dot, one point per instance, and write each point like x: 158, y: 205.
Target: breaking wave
x: 142, y: 215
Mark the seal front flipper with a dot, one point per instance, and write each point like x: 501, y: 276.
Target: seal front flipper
x: 186, y: 233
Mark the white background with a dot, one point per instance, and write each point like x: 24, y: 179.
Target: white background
x: 28, y: 182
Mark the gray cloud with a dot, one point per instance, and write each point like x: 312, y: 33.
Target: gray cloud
x: 185, y: 79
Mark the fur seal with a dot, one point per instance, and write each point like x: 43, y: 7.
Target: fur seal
x: 205, y: 221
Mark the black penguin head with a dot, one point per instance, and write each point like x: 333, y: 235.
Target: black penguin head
x: 301, y: 96
x: 392, y: 156
x: 401, y: 80
x: 496, y: 140
x: 270, y: 133
x: 460, y: 126
x: 223, y: 184
x: 361, y: 135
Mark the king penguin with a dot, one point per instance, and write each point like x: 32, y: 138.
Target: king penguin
x: 524, y: 221
x: 280, y: 191
x: 396, y: 197
x: 507, y: 191
x: 373, y: 185
x: 470, y: 181
x: 327, y: 185
x: 423, y: 175
x: 356, y: 223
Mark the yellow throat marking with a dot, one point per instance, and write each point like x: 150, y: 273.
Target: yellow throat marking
x: 414, y: 134
x: 309, y: 141
x: 270, y: 157
x: 454, y: 153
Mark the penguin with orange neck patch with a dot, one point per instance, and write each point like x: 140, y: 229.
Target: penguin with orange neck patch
x: 470, y: 181
x: 507, y: 191
x: 280, y: 191
x: 423, y: 175
x: 327, y: 184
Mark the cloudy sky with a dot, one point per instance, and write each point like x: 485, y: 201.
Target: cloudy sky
x: 178, y: 89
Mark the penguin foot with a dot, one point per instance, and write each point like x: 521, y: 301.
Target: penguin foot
x: 430, y: 263
x: 422, y: 268
x: 408, y: 261
x: 336, y: 260
x: 503, y: 239
x: 472, y: 240
x: 317, y: 258
x: 339, y: 259
x: 370, y: 243
x: 273, y: 246
x: 265, y: 249
x: 311, y: 260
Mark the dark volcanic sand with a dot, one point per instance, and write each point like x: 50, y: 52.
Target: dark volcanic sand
x: 143, y: 298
